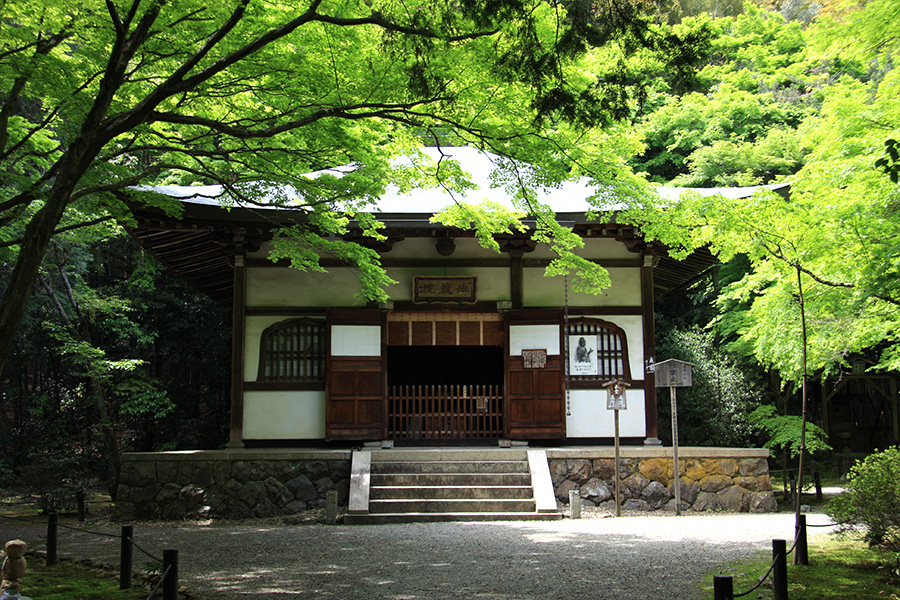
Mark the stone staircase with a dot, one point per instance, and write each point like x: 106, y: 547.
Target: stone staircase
x: 401, y: 486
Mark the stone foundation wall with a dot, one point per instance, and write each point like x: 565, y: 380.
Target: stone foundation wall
x: 239, y: 484
x: 722, y: 480
x: 243, y: 484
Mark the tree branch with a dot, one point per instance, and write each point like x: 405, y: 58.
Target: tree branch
x: 62, y: 230
x: 389, y: 111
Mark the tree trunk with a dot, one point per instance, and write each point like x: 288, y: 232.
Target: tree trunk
x: 34, y: 245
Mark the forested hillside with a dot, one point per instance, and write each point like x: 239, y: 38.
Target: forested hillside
x: 810, y: 281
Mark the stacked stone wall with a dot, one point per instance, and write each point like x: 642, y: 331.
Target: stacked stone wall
x: 707, y: 484
x: 244, y: 484
x: 188, y: 487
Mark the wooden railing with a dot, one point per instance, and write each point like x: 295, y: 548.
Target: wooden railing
x: 441, y: 412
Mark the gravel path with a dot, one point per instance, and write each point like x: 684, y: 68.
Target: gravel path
x: 635, y: 556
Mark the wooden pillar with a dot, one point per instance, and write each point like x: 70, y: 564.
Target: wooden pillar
x: 892, y: 390
x: 516, y: 280
x: 647, y: 316
x: 236, y: 438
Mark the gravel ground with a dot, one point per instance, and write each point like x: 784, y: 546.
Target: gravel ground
x: 598, y: 556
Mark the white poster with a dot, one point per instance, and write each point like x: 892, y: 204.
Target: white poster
x: 583, y: 355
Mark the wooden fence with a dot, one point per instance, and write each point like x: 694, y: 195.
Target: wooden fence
x: 445, y: 412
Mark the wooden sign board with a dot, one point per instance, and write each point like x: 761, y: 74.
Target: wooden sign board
x: 615, y: 395
x: 674, y: 373
x: 534, y: 359
x: 459, y: 290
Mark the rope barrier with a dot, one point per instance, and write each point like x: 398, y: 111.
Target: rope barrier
x: 131, y: 541
x: 82, y: 530
x: 760, y: 582
x: 838, y: 524
x: 169, y: 560
x: 23, y: 520
x: 159, y: 583
x: 765, y: 576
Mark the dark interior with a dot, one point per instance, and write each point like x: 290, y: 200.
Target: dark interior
x: 445, y: 365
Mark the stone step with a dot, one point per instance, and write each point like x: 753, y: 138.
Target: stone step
x: 450, y: 479
x: 388, y: 518
x: 453, y: 466
x: 389, y: 487
x: 445, y: 492
x: 454, y: 505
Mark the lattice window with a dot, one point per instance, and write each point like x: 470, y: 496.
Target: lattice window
x: 293, y: 350
x: 608, y: 342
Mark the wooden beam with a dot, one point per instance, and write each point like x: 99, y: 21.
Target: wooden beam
x: 237, y: 353
x: 651, y: 417
x: 516, y: 282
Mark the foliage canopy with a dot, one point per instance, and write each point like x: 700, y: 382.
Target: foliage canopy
x: 104, y: 96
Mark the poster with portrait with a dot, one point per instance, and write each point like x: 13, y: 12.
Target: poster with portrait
x: 583, y: 355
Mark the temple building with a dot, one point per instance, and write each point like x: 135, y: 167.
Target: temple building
x: 472, y: 346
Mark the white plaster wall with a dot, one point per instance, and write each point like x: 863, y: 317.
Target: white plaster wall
x: 275, y: 286
x: 590, y: 418
x: 492, y: 284
x: 356, y: 340
x: 550, y: 291
x: 279, y: 415
x: 529, y: 337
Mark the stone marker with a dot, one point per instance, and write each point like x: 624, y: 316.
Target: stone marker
x: 575, y: 503
x: 331, y: 498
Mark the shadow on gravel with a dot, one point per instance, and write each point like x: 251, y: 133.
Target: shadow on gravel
x: 630, y: 557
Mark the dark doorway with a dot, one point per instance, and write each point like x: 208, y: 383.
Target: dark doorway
x: 445, y: 393
x: 445, y: 365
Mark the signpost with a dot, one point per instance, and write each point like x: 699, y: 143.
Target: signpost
x: 615, y: 401
x: 674, y: 373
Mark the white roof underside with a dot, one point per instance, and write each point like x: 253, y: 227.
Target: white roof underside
x: 568, y: 197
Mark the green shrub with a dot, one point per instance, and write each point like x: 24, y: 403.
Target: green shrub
x: 872, y: 499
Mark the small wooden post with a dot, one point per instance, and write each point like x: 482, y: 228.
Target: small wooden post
x: 674, y: 373
x: 79, y: 497
x: 170, y: 574
x: 723, y: 587
x: 617, y: 400
x: 779, y: 573
x: 801, y: 550
x: 675, y: 451
x: 52, y: 537
x: 126, y: 559
x: 618, y: 476
x: 817, y: 479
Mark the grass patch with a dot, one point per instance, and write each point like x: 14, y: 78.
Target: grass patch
x: 68, y: 581
x: 840, y: 569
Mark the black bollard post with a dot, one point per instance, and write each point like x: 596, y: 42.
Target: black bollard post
x: 52, y: 538
x: 170, y: 572
x: 723, y: 587
x: 779, y: 573
x: 801, y: 550
x: 126, y: 561
x: 79, y: 498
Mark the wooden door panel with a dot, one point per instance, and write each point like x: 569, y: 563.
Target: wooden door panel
x: 355, y: 407
x: 536, y: 399
x: 521, y: 411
